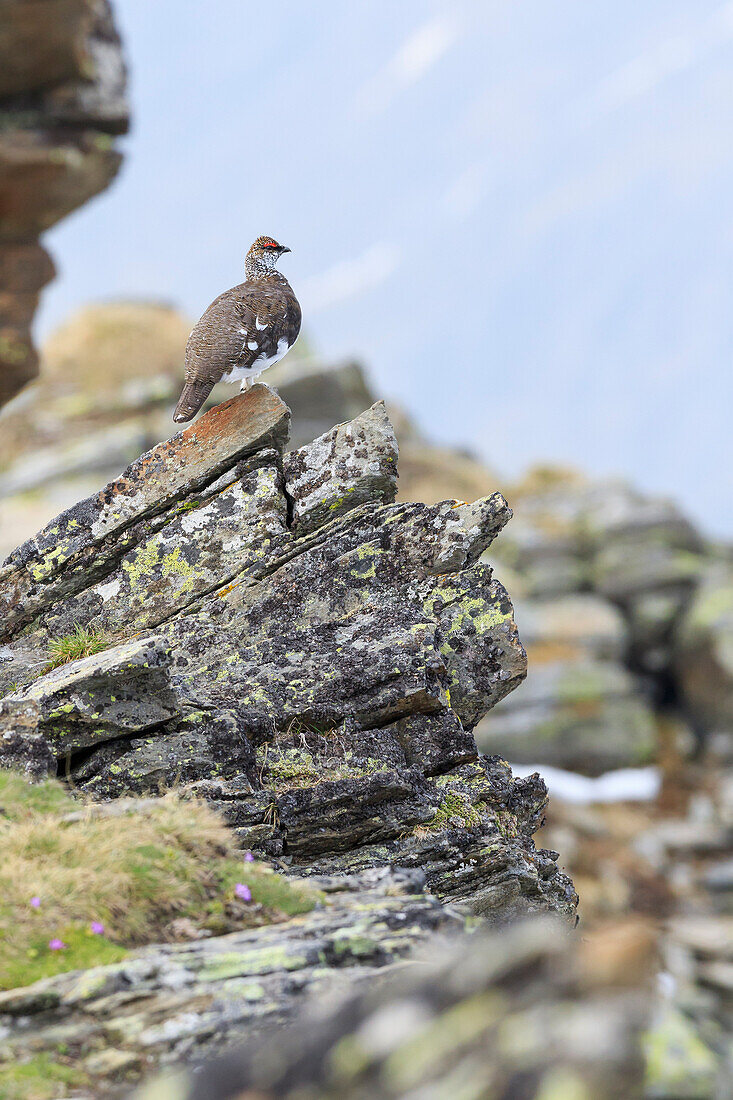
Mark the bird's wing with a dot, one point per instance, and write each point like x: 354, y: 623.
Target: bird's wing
x: 241, y: 326
x: 218, y: 340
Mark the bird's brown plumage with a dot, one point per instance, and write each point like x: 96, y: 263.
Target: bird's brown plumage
x: 243, y: 331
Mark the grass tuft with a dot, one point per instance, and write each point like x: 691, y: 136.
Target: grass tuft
x: 81, y: 642
x: 134, y: 871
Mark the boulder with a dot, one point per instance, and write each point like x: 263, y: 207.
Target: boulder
x: 22, y: 747
x: 581, y: 715
x: 580, y: 709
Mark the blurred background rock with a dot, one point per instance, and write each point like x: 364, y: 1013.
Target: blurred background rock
x: 62, y: 101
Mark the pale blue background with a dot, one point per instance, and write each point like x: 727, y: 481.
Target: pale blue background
x: 520, y: 214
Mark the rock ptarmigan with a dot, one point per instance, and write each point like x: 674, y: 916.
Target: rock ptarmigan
x: 243, y: 332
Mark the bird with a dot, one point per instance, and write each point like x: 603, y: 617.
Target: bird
x: 243, y: 332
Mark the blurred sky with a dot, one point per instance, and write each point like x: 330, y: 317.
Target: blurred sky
x: 519, y: 214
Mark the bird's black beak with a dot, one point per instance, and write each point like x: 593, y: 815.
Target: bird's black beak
x: 284, y: 249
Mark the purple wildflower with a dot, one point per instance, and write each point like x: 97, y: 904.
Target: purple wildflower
x: 243, y: 891
x: 248, y: 857
x: 36, y: 902
x: 56, y: 945
x: 97, y: 928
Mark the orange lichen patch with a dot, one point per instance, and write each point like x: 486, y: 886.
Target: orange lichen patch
x: 222, y: 592
x: 547, y: 653
x: 195, y: 456
x: 222, y: 435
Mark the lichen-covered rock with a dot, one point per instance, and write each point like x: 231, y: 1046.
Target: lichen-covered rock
x: 22, y: 747
x: 353, y: 464
x: 85, y: 543
x: 581, y: 708
x: 577, y: 714
x: 206, y: 543
x: 516, y: 1015
x: 94, y: 699
x: 640, y: 553
x: 320, y: 656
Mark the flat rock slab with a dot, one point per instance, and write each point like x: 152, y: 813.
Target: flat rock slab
x: 123, y: 689
x: 56, y: 561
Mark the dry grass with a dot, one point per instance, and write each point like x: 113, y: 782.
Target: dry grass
x: 134, y: 872
x: 81, y: 642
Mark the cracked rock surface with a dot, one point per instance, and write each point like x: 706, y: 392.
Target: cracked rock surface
x: 285, y: 640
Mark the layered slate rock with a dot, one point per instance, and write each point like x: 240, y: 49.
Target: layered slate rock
x: 62, y: 98
x: 172, y: 1001
x: 91, y: 700
x: 286, y: 641
x: 521, y: 1014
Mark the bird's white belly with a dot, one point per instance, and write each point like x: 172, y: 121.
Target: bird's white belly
x: 238, y: 373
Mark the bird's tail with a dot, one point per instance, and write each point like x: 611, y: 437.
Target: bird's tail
x: 192, y: 398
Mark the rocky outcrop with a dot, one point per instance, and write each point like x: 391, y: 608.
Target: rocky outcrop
x: 582, y: 707
x: 62, y: 99
x: 523, y: 1014
x: 283, y: 639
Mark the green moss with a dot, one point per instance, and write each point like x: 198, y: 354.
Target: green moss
x: 292, y: 766
x: 454, y: 804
